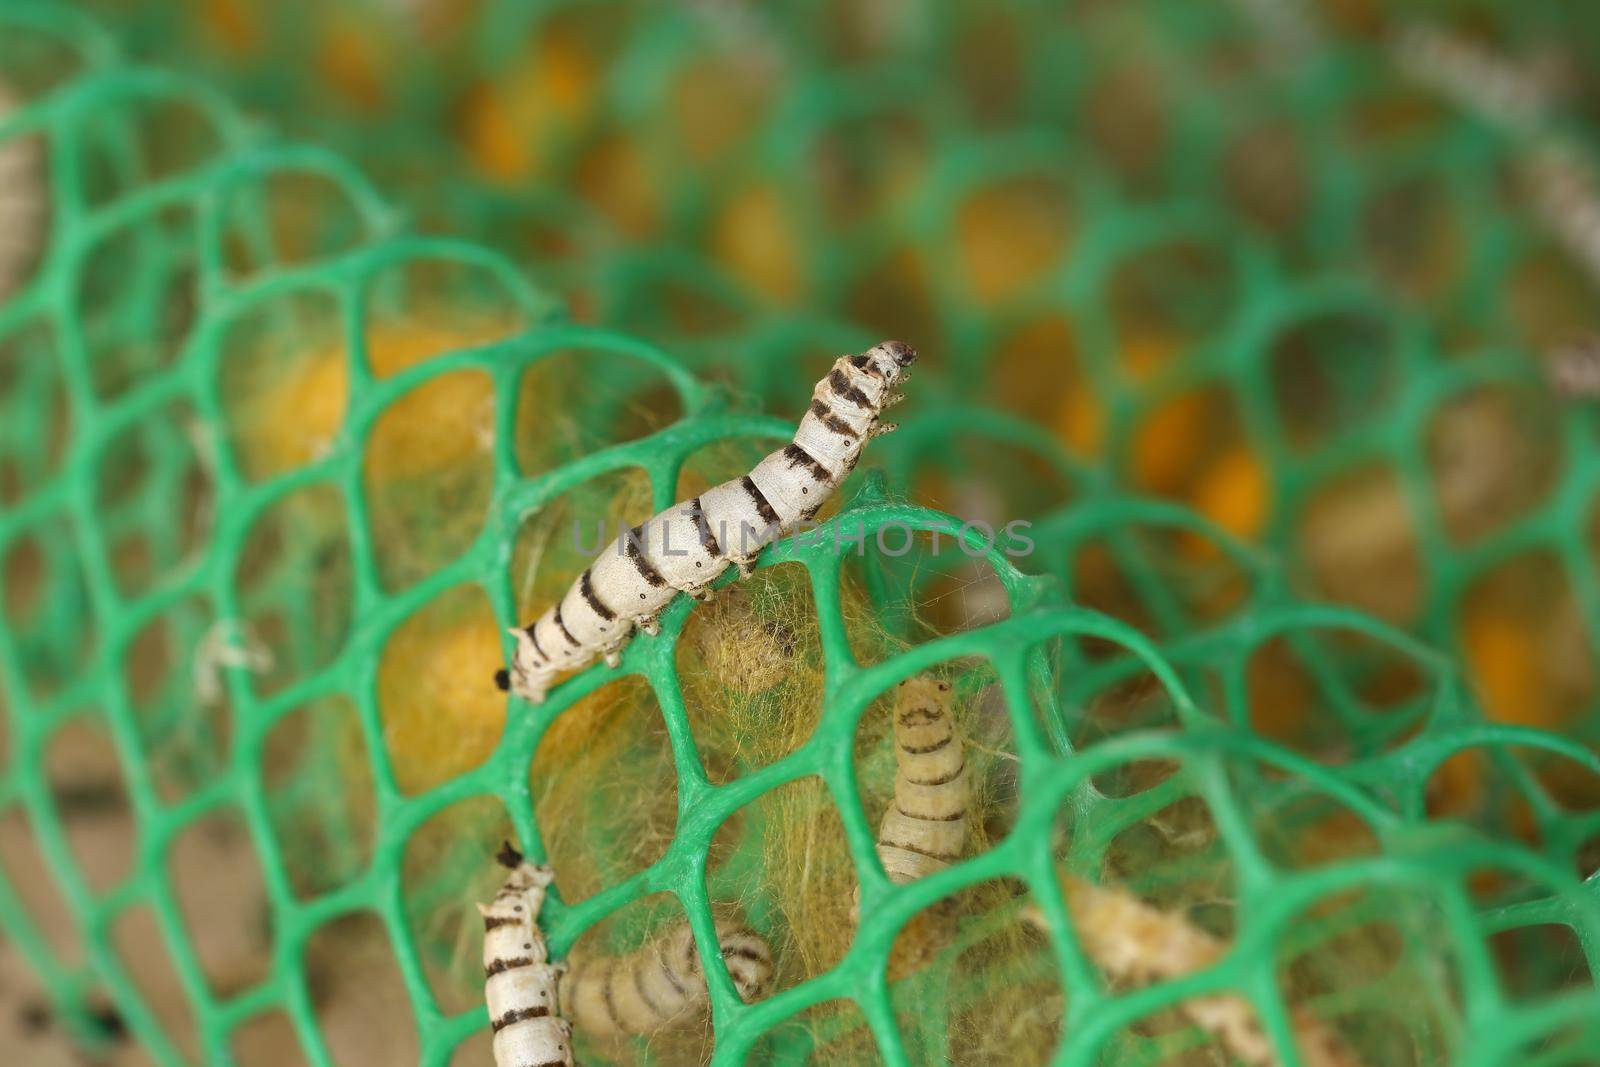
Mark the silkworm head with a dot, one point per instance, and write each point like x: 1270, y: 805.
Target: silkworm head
x: 892, y: 359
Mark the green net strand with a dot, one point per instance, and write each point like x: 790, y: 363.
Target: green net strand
x: 122, y: 367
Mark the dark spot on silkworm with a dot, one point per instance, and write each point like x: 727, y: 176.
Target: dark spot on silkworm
x: 533, y: 635
x: 708, y: 539
x: 920, y: 717
x: 573, y: 641
x: 923, y: 750
x: 832, y: 421
x: 842, y: 387
x: 644, y: 993
x: 608, y: 997
x: 757, y: 497
x: 799, y: 457
x: 502, y: 680
x: 931, y: 818
x: 494, y: 922
x: 586, y: 587
x: 672, y: 976
x: 501, y: 966
x: 34, y: 1017
x: 519, y: 1015
x: 508, y: 857
x: 646, y: 570
x: 743, y: 952
x: 943, y: 857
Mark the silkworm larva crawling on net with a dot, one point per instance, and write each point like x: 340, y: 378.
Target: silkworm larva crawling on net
x: 1136, y: 944
x: 660, y: 984
x: 520, y: 980
x: 687, y: 546
x: 925, y: 828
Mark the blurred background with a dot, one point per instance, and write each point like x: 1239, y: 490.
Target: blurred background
x: 1244, y: 303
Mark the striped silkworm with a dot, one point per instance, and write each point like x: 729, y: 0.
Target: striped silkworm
x: 659, y: 985
x: 688, y: 546
x: 1136, y: 944
x: 925, y: 828
x: 519, y: 979
x: 23, y: 200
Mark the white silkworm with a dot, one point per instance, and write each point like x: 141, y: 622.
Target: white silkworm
x: 687, y: 546
x: 1135, y: 943
x: 519, y: 979
x: 1514, y: 96
x: 659, y: 985
x: 227, y: 643
x: 23, y: 200
x: 925, y: 828
x: 1566, y: 194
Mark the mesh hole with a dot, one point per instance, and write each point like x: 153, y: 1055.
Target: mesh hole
x: 577, y: 401
x: 353, y: 979
x: 925, y: 585
x: 750, y: 663
x: 1414, y: 236
x: 137, y: 292
x: 1494, y: 456
x: 1543, y: 961
x: 1038, y: 372
x: 1101, y: 708
x: 267, y: 1040
x: 34, y: 388
x: 1331, y: 373
x: 145, y: 956
x: 861, y: 163
x: 36, y: 888
x: 295, y: 587
x: 1359, y: 545
x: 1295, y: 829
x: 183, y: 723
x: 155, y: 497
x: 1526, y: 644
x: 444, y: 873
x: 1125, y: 116
x: 285, y: 382
x: 428, y: 472
x: 144, y: 139
x: 1336, y: 695
x: 91, y: 799
x: 422, y: 308
x: 287, y: 218
x: 966, y: 977
x: 1169, y: 297
x: 784, y: 858
x: 897, y: 297
x: 1264, y: 174
x: 605, y: 790
x: 756, y: 239
x: 46, y: 603
x: 1164, y: 580
x: 1192, y: 448
x: 320, y: 805
x: 441, y: 712
x: 217, y: 881
x: 1011, y: 235
x: 1174, y: 860
x: 1484, y: 787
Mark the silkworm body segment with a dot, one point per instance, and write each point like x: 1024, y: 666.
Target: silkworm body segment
x: 687, y: 547
x: 659, y: 985
x: 520, y: 982
x: 925, y: 828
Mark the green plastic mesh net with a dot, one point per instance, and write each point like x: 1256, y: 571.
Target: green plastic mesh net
x: 276, y: 470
